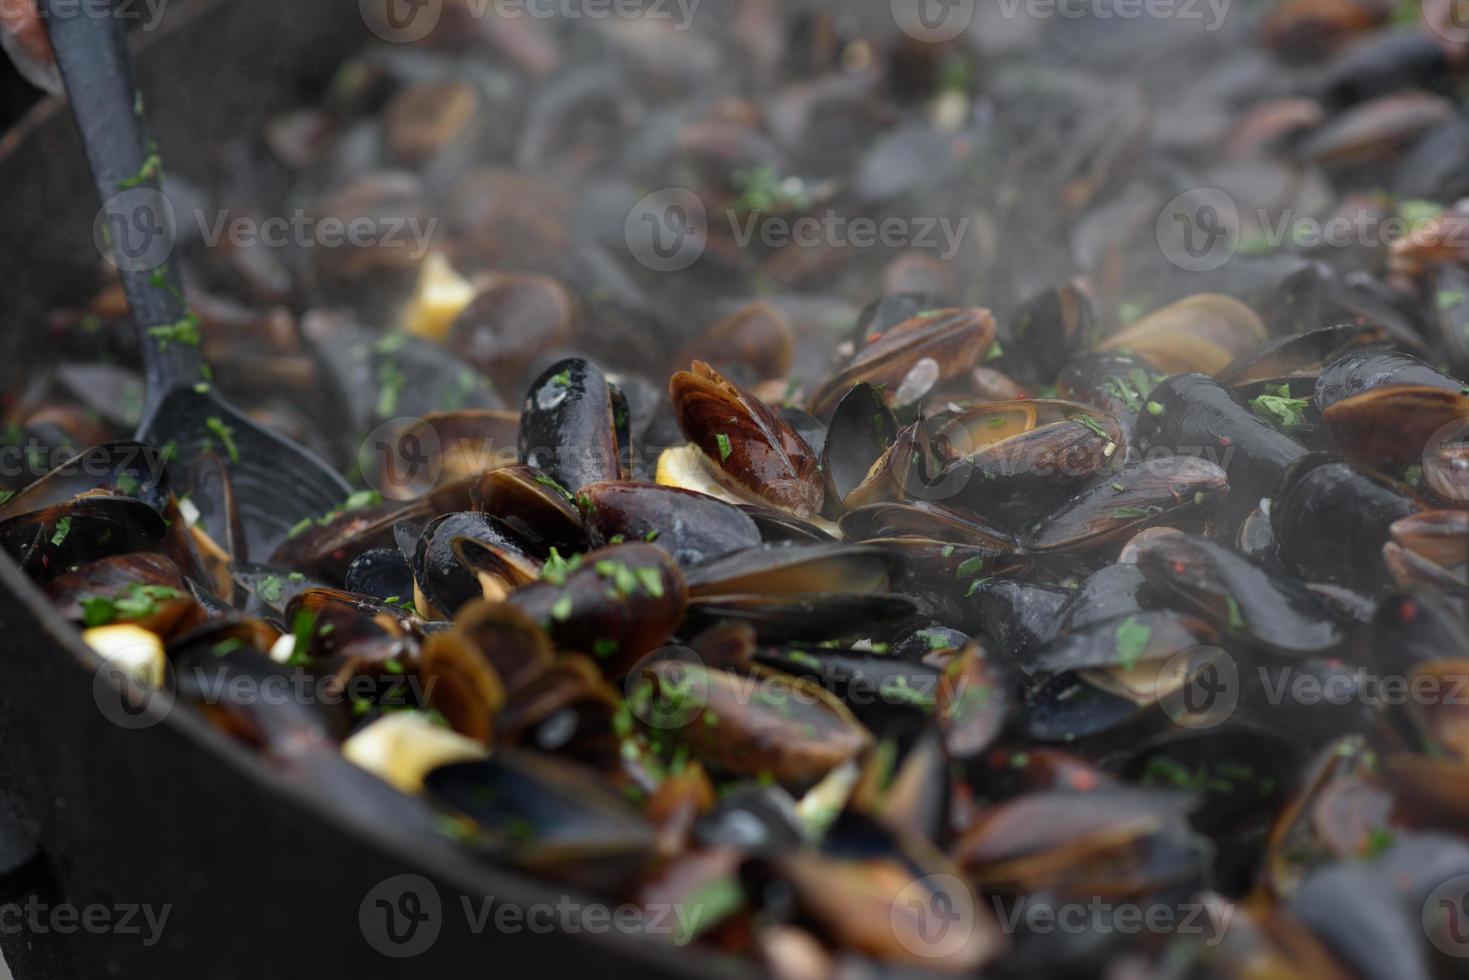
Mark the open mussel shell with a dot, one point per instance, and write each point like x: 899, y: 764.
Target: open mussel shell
x: 142, y: 587
x: 754, y: 451
x: 615, y: 604
x: 48, y: 541
x: 877, y: 888
x: 972, y: 703
x: 1238, y: 597
x: 569, y: 708
x: 517, y: 648
x: 123, y: 469
x: 1073, y: 842
x: 1440, y: 538
x: 446, y: 565
x: 1007, y: 452
x: 909, y: 360
x: 569, y: 426
x: 381, y: 573
x: 692, y: 527
x: 1196, y: 417
x: 1383, y: 406
x: 1446, y: 470
x: 760, y: 722
x: 1170, y: 490
x: 540, y: 511
x: 1331, y: 519
x: 460, y: 684
x: 1336, y: 808
x: 861, y: 430
x: 541, y: 813
x: 795, y: 568
x: 1299, y: 355
x: 1202, y: 333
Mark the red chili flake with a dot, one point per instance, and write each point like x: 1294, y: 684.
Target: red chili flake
x: 1179, y: 568
x: 1084, y: 780
x: 1224, y: 441
x: 1407, y: 610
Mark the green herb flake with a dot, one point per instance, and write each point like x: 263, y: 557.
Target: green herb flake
x: 724, y: 446
x: 561, y: 610
x: 185, y: 332
x: 970, y: 567
x: 1450, y: 299
x: 1279, y: 408
x: 1131, y: 640
x: 1236, y: 622
x: 63, y: 528
x: 651, y: 580
x: 1154, y: 408
x: 269, y: 589
x: 225, y: 435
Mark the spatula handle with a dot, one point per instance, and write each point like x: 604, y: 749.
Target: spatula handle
x: 91, y: 50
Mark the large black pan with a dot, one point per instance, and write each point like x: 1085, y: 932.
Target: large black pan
x: 262, y: 877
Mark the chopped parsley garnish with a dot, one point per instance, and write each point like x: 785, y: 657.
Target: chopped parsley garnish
x: 724, y: 446
x: 269, y: 589
x: 1132, y: 640
x: 138, y: 602
x: 63, y: 528
x: 225, y: 434
x: 184, y: 333
x: 1280, y: 408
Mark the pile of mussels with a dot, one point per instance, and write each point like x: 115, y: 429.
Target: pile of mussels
x: 865, y: 598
